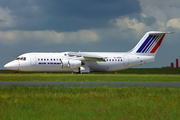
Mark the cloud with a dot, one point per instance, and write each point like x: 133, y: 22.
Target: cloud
x: 148, y: 20
x: 10, y: 37
x: 71, y: 15
x: 155, y: 15
x: 127, y: 23
x: 161, y: 10
x: 6, y: 19
x: 175, y: 23
x: 38, y: 21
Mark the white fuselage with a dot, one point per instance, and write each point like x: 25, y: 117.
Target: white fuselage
x: 54, y: 62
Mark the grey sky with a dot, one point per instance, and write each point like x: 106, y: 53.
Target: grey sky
x: 87, y: 25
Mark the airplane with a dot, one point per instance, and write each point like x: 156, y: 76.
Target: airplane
x: 85, y: 62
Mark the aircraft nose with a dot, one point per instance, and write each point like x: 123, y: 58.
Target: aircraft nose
x: 13, y: 65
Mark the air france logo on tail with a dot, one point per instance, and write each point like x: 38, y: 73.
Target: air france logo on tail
x: 151, y: 44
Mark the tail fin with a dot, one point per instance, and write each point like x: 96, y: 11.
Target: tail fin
x: 149, y: 44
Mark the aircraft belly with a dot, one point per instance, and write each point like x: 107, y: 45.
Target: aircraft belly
x: 105, y: 66
x: 47, y: 68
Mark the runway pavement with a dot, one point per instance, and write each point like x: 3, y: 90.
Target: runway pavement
x: 81, y: 83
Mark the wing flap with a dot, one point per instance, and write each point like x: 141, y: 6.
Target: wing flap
x: 87, y: 56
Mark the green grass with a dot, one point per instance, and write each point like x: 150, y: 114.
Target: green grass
x: 127, y: 71
x: 102, y: 102
x: 90, y: 77
x: 133, y: 74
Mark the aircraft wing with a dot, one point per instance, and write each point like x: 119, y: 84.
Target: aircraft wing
x: 87, y: 56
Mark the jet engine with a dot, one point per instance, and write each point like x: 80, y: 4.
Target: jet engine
x: 71, y: 63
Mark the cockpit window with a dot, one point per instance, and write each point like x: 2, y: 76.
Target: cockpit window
x: 18, y: 58
x: 21, y: 58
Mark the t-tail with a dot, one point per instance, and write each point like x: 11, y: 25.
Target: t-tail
x: 149, y: 44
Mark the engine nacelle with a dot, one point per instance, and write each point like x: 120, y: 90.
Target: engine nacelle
x: 71, y: 63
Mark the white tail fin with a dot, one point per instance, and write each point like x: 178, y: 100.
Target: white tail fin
x: 149, y: 44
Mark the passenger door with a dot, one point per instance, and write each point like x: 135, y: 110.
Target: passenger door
x: 126, y: 60
x: 33, y: 59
